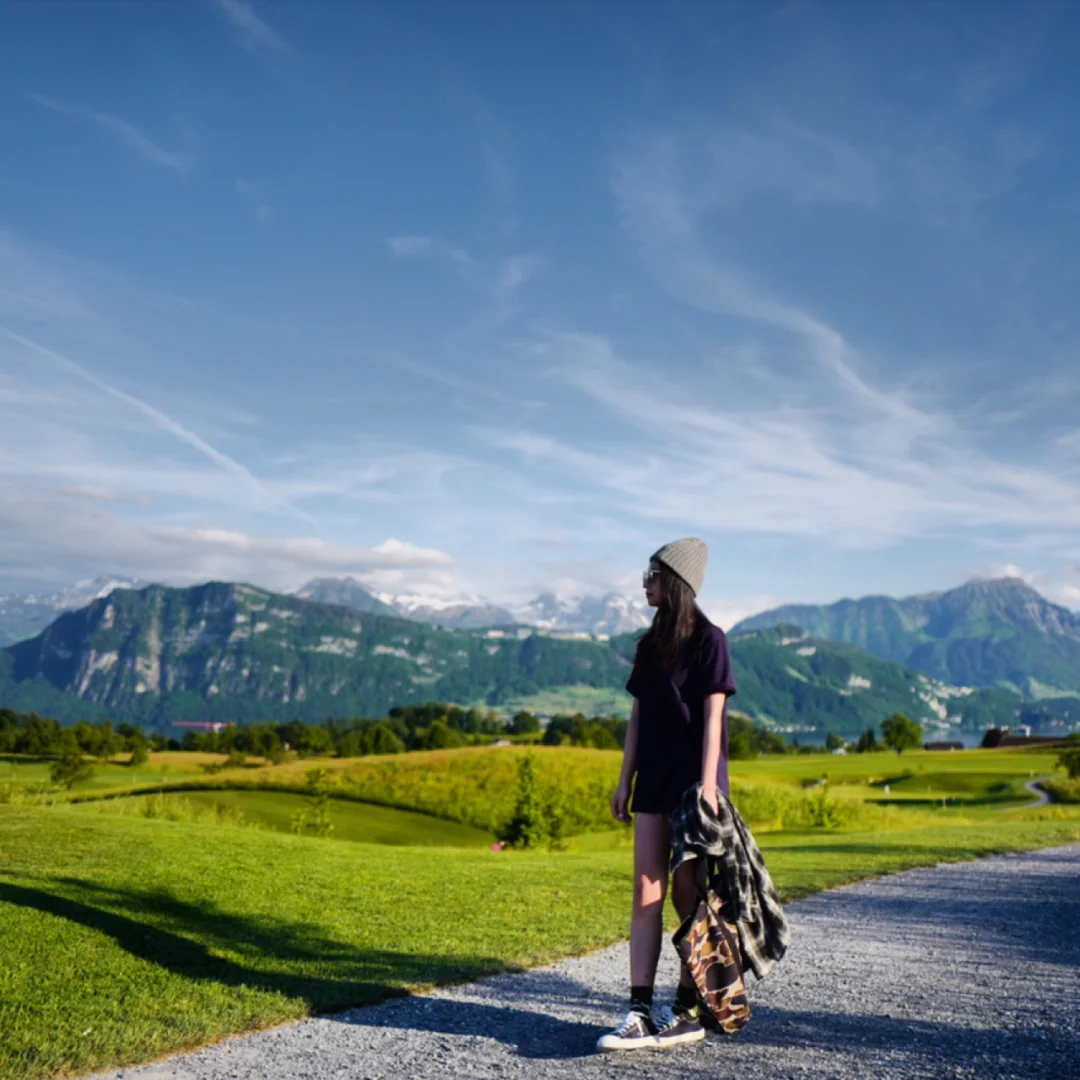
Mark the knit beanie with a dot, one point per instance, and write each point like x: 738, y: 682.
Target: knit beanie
x: 687, y: 559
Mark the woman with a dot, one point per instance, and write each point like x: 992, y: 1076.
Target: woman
x: 677, y: 737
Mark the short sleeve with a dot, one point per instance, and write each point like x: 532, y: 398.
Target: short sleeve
x: 716, y: 674
x: 633, y: 684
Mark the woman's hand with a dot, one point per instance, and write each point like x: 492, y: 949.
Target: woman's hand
x: 620, y: 803
x: 709, y: 793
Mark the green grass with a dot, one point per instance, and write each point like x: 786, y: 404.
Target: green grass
x: 355, y: 821
x: 123, y: 938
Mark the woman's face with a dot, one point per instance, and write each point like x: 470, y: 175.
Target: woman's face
x: 651, y: 582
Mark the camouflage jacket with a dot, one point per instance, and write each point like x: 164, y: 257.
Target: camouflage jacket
x: 736, y: 871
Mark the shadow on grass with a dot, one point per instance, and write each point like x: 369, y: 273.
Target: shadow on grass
x: 295, y: 960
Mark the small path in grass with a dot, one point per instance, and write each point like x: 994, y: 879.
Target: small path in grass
x: 1036, y: 789
x: 961, y: 970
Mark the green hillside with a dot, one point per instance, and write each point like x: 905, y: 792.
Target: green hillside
x: 985, y: 633
x: 234, y: 652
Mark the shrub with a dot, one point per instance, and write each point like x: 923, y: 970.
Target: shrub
x: 527, y: 828
x: 70, y: 768
x: 314, y: 819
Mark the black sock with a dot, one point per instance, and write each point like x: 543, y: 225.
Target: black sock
x: 685, y: 998
x: 641, y: 999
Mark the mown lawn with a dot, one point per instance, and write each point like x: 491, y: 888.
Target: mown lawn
x: 356, y: 821
x: 123, y: 938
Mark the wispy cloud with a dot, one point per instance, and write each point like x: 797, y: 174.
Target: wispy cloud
x: 846, y: 466
x: 406, y: 247
x: 123, y: 131
x: 98, y: 493
x: 500, y: 280
x: 255, y: 195
x: 254, y: 33
x: 161, y: 421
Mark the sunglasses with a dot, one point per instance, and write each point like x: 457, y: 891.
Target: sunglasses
x: 649, y: 576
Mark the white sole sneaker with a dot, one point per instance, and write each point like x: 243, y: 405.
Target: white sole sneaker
x: 634, y: 1033
x: 680, y: 1039
x: 613, y: 1042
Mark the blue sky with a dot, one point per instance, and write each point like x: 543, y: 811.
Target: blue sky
x: 488, y: 298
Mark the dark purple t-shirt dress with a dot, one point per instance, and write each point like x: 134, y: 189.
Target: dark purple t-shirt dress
x: 671, y: 721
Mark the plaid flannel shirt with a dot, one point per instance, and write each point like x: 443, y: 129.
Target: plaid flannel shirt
x: 737, y: 871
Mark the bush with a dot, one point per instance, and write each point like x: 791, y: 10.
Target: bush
x: 314, y: 819
x: 70, y: 768
x: 1061, y: 790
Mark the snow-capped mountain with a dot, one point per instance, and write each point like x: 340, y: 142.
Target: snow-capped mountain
x: 607, y: 614
x: 22, y: 615
x: 596, y: 615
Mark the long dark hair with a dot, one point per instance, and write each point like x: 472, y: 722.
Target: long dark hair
x: 677, y: 620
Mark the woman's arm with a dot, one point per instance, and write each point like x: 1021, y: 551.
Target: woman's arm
x: 711, y: 743
x: 620, y: 801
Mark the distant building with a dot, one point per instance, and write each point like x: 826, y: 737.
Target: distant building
x: 205, y: 725
x: 1004, y: 738
x: 943, y: 744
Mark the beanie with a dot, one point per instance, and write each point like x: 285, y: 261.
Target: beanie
x: 686, y: 558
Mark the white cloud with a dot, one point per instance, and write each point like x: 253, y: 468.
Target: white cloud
x: 255, y: 195
x: 858, y: 465
x: 405, y: 247
x: 46, y: 538
x: 254, y: 32
x: 728, y: 611
x: 101, y: 494
x: 161, y: 421
x: 123, y: 132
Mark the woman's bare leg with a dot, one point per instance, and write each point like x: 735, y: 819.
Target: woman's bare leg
x: 651, y: 840
x: 684, y: 897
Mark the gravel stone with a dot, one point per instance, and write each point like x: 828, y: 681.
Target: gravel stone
x: 961, y: 970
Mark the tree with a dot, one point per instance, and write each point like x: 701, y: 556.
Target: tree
x: 314, y: 819
x: 867, y: 742
x: 527, y: 828
x: 524, y: 723
x: 1069, y: 757
x: 901, y: 733
x: 70, y: 768
x: 441, y: 736
x: 139, y: 753
x: 834, y: 741
x: 380, y: 739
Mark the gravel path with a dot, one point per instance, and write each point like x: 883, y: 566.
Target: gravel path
x: 1041, y: 797
x: 965, y: 970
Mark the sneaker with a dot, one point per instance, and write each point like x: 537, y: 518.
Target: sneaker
x: 636, y: 1032
x: 675, y: 1028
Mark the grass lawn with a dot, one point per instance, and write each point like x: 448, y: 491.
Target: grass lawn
x: 355, y: 821
x: 123, y: 938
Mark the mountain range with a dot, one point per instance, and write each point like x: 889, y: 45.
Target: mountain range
x: 984, y: 633
x: 23, y: 616
x: 225, y: 651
